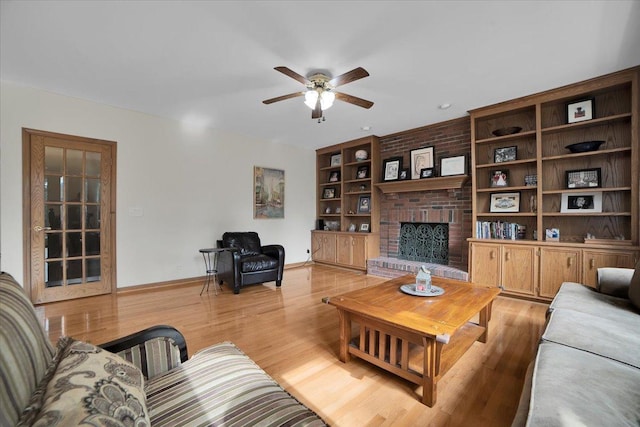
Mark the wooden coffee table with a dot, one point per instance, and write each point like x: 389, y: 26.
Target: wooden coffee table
x: 417, y: 338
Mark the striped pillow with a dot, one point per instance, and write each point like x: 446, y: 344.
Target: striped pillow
x: 221, y: 386
x: 153, y: 357
x: 26, y: 351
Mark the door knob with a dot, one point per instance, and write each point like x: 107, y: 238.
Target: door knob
x: 38, y: 229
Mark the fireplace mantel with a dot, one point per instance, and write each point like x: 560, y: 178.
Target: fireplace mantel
x: 426, y: 184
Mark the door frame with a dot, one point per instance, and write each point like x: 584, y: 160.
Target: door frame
x: 27, y: 133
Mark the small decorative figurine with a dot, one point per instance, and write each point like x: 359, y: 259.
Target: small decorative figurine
x: 423, y: 280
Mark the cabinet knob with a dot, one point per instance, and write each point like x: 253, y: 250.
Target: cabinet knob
x: 570, y: 261
x: 592, y: 263
x: 507, y: 255
x: 492, y: 255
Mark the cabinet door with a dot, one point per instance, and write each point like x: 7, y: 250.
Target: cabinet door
x: 558, y: 265
x: 324, y: 247
x: 519, y: 269
x: 359, y: 252
x: 484, y: 263
x: 593, y: 259
x: 343, y: 255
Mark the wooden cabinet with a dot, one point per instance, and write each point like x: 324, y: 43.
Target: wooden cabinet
x: 538, y: 269
x: 323, y: 246
x: 345, y: 249
x: 592, y: 259
x: 484, y: 263
x: 514, y: 268
x: 558, y: 265
x: 525, y: 182
x: 347, y: 202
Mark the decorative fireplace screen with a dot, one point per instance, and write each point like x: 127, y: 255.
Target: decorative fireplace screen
x: 424, y: 241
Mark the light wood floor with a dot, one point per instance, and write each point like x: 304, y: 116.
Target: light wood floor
x: 293, y: 336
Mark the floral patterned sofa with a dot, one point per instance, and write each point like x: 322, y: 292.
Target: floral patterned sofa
x: 140, y: 380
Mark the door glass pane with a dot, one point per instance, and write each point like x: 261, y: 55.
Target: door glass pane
x: 93, y: 216
x: 92, y: 190
x: 93, y: 243
x: 93, y: 269
x: 92, y: 164
x: 74, y: 244
x: 52, y: 216
x: 53, y: 274
x: 74, y: 272
x: 74, y: 217
x: 53, y: 159
x: 52, y: 245
x: 74, y: 162
x: 53, y: 188
x: 74, y: 189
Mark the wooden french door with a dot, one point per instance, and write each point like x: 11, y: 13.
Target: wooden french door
x: 69, y: 211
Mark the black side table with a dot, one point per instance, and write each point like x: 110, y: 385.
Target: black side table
x: 210, y: 256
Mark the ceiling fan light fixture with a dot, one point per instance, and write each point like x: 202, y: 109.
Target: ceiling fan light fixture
x: 310, y: 98
x: 326, y: 99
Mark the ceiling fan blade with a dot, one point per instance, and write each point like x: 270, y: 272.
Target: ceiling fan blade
x: 348, y: 77
x: 317, y: 112
x: 283, y: 97
x: 289, y: 72
x: 354, y: 100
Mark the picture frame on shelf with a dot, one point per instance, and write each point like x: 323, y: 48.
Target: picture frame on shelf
x: 505, y: 202
x: 505, y: 154
x: 362, y: 172
x: 334, y: 176
x: 581, y: 202
x: 421, y: 158
x: 364, y: 204
x: 391, y: 169
x: 499, y: 178
x: 552, y: 234
x: 584, y: 178
x: 451, y: 166
x: 580, y: 111
x: 364, y: 227
x: 404, y: 174
x: 329, y: 193
x: 336, y: 160
x: 531, y: 180
x: 352, y: 228
x: 427, y: 173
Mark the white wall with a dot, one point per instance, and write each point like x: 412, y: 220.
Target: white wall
x: 191, y: 186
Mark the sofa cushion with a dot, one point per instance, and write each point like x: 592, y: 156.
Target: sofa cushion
x: 222, y: 386
x: 617, y: 339
x: 577, y: 297
x: 614, y: 281
x: 258, y: 263
x: 87, y: 385
x: 25, y: 350
x: 247, y: 241
x: 634, y: 287
x: 577, y: 388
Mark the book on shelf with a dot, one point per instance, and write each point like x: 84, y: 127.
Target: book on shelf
x: 499, y: 230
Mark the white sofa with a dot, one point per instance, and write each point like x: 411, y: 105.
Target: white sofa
x: 587, y: 369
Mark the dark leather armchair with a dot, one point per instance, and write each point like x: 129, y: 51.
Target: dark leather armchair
x: 247, y: 262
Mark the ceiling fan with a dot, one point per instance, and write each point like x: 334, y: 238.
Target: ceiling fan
x: 320, y: 93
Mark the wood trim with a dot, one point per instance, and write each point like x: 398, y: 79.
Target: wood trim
x: 427, y: 184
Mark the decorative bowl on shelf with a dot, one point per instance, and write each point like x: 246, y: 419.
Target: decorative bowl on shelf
x: 583, y: 147
x: 507, y: 131
x: 361, y: 155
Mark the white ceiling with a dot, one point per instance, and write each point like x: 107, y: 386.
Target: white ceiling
x: 213, y: 60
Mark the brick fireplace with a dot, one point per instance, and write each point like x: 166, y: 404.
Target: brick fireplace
x: 450, y: 138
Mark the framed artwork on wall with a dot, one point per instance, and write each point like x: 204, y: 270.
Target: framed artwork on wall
x: 421, y: 158
x: 268, y: 193
x: 391, y: 168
